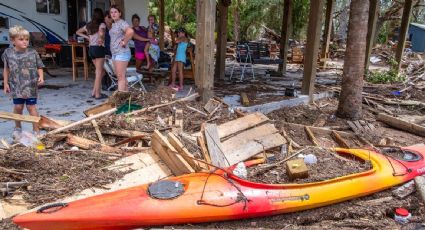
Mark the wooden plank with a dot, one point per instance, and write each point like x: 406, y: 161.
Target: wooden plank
x: 19, y: 117
x: 214, y: 146
x: 254, y: 147
x: 167, y: 153
x: 204, y: 150
x: 123, y: 132
x: 241, y: 124
x: 401, y: 124
x: 311, y: 136
x: 176, y: 143
x: 99, y: 108
x: 420, y: 185
x: 89, y: 144
x: 211, y: 105
x: 244, y: 99
x: 338, y: 139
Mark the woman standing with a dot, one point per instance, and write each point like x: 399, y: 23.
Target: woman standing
x: 94, y: 32
x: 140, y: 38
x: 120, y: 33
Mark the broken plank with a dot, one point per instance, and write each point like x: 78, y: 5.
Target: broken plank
x: 99, y: 108
x: 176, y: 143
x: 123, y: 132
x: 401, y: 124
x: 254, y: 147
x: 89, y: 144
x: 420, y: 185
x: 168, y: 154
x: 244, y: 99
x: 98, y: 133
x: 19, y: 117
x: 130, y: 139
x: 211, y: 105
x: 204, y: 150
x: 339, y: 140
x: 215, y: 149
x: 240, y: 124
x: 311, y: 136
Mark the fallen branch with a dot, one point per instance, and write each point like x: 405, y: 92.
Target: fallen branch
x: 189, y: 98
x: 311, y: 136
x: 338, y: 139
x: 196, y: 110
x: 12, y: 171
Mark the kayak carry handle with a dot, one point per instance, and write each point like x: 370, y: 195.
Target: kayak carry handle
x: 57, y: 206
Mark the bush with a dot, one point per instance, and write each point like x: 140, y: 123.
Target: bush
x: 390, y: 76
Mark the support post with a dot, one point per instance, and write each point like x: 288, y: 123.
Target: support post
x: 373, y: 18
x: 286, y: 31
x: 204, y: 70
x: 403, y: 31
x: 327, y: 33
x: 161, y: 24
x: 220, y: 61
x: 312, y: 47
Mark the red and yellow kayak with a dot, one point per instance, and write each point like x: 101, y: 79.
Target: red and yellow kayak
x: 219, y: 196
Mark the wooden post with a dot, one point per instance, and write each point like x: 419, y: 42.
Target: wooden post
x: 403, y: 31
x: 161, y: 24
x: 286, y: 31
x: 312, y: 47
x: 373, y: 18
x: 204, y: 70
x: 327, y: 34
x: 220, y: 61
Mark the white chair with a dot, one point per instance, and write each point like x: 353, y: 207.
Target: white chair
x: 131, y: 74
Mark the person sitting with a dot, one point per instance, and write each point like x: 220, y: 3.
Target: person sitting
x: 182, y: 42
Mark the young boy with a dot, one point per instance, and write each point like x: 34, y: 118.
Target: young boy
x: 23, y: 72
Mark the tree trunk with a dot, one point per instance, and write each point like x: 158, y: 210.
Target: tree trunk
x: 343, y: 23
x: 236, y: 21
x: 350, y: 101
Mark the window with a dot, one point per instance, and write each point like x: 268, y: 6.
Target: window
x: 48, y: 6
x: 4, y: 22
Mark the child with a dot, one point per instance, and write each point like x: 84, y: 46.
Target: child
x: 179, y: 59
x: 23, y: 72
x: 151, y: 50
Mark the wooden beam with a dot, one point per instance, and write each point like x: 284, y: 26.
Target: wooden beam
x: 403, y: 31
x: 176, y: 143
x: 220, y: 57
x: 312, y: 47
x: 328, y: 29
x: 286, y: 31
x: 167, y: 153
x: 373, y: 18
x: 215, y: 148
x: 123, y: 132
x: 402, y: 124
x: 19, y: 117
x: 89, y: 144
x: 204, y: 68
x: 161, y: 24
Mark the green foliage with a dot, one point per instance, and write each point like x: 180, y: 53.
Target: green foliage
x: 390, y: 76
x: 253, y: 14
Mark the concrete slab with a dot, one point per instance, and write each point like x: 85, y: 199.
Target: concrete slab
x: 67, y: 102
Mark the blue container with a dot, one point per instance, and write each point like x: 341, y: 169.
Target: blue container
x: 417, y: 37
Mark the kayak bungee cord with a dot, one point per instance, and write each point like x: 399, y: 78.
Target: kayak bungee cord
x: 240, y: 197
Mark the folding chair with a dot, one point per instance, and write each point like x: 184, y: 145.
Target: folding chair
x: 132, y: 76
x: 243, y: 58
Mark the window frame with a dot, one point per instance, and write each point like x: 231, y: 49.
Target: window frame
x: 48, y: 7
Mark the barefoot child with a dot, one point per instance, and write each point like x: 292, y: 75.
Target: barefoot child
x: 23, y: 72
x: 180, y: 59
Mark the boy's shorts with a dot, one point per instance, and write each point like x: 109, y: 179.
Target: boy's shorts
x: 23, y: 101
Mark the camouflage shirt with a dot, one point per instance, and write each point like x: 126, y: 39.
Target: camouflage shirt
x: 23, y: 74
